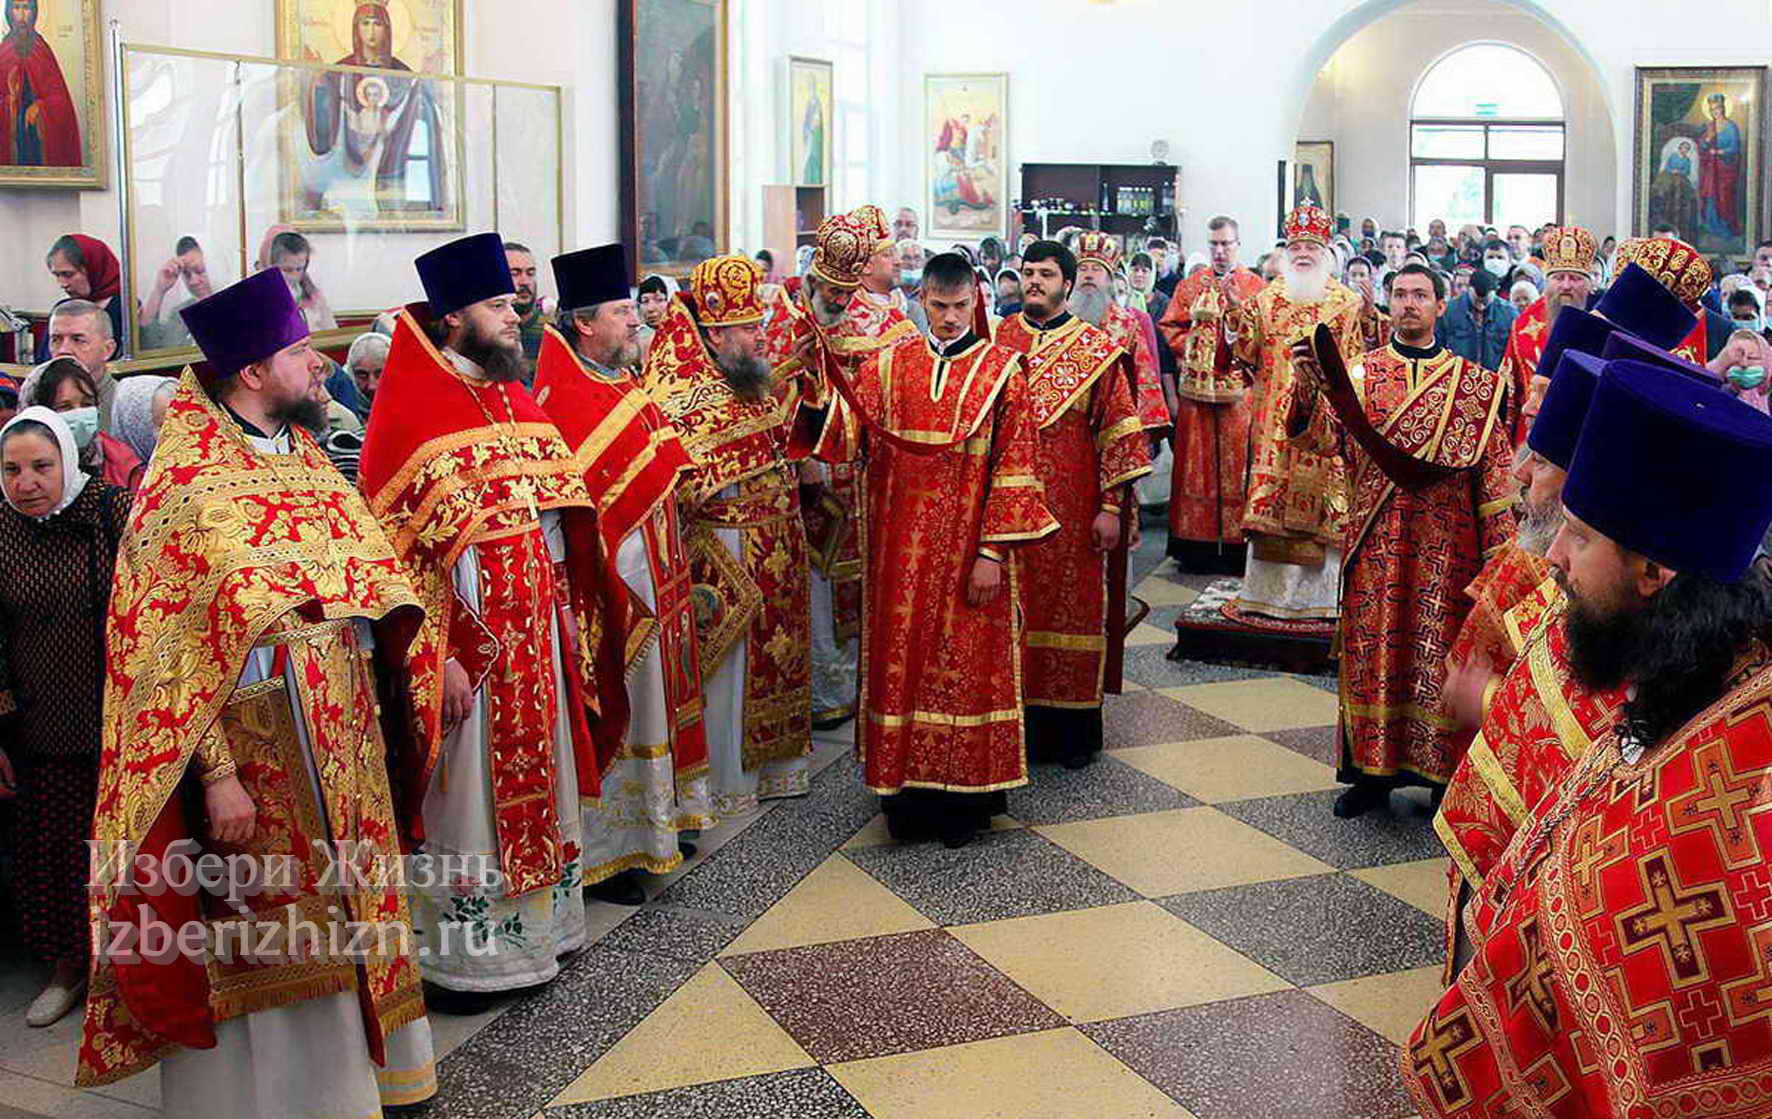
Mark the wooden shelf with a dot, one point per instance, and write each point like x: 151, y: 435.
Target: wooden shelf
x: 1087, y: 185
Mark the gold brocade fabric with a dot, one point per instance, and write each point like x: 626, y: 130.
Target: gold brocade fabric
x: 1293, y: 492
x: 225, y: 546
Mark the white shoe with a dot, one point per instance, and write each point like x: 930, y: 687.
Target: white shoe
x: 55, y: 1001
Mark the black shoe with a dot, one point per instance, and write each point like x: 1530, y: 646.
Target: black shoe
x: 831, y: 724
x: 1080, y: 761
x: 686, y: 848
x: 420, y: 1107
x: 441, y: 1000
x: 1361, y: 799
x: 956, y: 834
x: 618, y: 890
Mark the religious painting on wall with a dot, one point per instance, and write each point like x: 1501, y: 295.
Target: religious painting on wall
x: 1313, y: 174
x: 1700, y: 141
x: 811, y: 100
x: 52, y: 121
x: 365, y: 151
x: 966, y: 140
x: 673, y: 92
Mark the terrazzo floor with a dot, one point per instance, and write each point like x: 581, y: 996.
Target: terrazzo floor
x: 1181, y: 929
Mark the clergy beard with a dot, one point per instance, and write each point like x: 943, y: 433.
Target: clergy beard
x: 748, y: 376
x: 1677, y: 649
x: 1307, y: 284
x: 1090, y: 304
x: 305, y: 410
x: 498, y: 361
x: 1538, y: 527
x: 626, y: 358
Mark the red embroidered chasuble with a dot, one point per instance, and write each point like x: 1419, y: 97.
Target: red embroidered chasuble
x: 1127, y: 329
x: 1297, y: 497
x: 763, y: 594
x: 632, y: 460
x: 1211, y: 444
x: 452, y: 462
x: 1091, y: 444
x: 1540, y: 722
x: 949, y: 448
x: 229, y: 549
x: 1410, y: 553
x: 1622, y: 949
x: 1507, y: 579
x: 1519, y: 364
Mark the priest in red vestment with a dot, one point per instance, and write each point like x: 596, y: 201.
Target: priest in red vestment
x: 39, y: 125
x: 1098, y: 259
x: 1568, y: 282
x: 587, y: 380
x: 1683, y: 270
x: 1418, y: 530
x: 1619, y: 961
x: 829, y: 304
x: 946, y: 440
x: 1212, y: 416
x: 240, y: 723
x: 1092, y: 446
x: 742, y: 530
x: 488, y: 511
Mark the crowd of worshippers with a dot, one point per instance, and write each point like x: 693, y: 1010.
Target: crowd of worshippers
x: 488, y: 622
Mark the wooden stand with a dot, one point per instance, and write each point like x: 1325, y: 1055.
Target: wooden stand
x: 791, y: 215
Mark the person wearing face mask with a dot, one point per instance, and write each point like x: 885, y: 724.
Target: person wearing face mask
x: 896, y: 276
x: 58, y: 542
x: 1747, y: 310
x: 1742, y: 364
x: 1476, y: 325
x: 64, y: 386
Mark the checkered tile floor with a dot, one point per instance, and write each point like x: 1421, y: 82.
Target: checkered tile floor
x: 1182, y: 929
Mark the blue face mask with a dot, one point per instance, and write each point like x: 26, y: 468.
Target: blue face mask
x: 83, y: 422
x: 1756, y: 324
x: 1752, y: 377
x: 910, y: 277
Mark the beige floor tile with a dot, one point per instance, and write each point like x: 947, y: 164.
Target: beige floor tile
x: 1389, y: 1005
x: 709, y: 1030
x: 1146, y: 634
x: 1056, y: 1074
x: 1182, y: 850
x: 1115, y: 961
x: 40, y: 1097
x: 1221, y: 769
x: 1421, y: 884
x: 1160, y: 590
x: 837, y: 901
x: 48, y: 1053
x: 1270, y: 703
x: 874, y: 833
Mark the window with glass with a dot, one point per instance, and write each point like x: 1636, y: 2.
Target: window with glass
x: 1486, y: 140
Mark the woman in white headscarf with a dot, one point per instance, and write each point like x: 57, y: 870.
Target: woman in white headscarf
x: 59, y: 531
x: 139, y: 410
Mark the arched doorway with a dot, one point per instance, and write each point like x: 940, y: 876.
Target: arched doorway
x: 1487, y: 140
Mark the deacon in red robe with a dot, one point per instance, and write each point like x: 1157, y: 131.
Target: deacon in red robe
x: 1092, y: 446
x: 240, y: 723
x: 743, y: 532
x: 39, y: 126
x: 946, y: 440
x: 1212, y: 416
x: 861, y: 325
x: 1430, y: 498
x: 1620, y: 963
x: 587, y: 381
x: 488, y: 511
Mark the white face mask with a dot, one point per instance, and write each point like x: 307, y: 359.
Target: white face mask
x: 1497, y: 266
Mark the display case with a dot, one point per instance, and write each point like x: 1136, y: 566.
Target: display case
x: 1132, y: 201
x: 369, y: 167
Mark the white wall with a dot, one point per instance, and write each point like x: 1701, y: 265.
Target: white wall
x: 572, y: 45
x: 1227, y: 83
x: 1361, y: 101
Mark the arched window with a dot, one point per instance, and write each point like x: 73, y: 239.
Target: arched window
x: 1486, y: 141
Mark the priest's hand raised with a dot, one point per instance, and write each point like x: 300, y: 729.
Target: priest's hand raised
x: 986, y: 582
x: 1307, y: 371
x: 232, y: 816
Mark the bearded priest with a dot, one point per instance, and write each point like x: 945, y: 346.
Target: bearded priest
x: 942, y: 429
x: 743, y: 532
x: 1568, y: 282
x: 1092, y: 446
x: 587, y: 380
x: 1294, y: 520
x: 1098, y: 259
x: 240, y: 723
x: 488, y: 511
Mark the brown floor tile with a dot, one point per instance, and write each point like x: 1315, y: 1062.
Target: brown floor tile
x: 1283, y: 1054
x: 1316, y: 743
x: 890, y: 994
x: 1146, y: 719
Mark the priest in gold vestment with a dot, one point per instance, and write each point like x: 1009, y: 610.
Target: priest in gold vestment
x: 1297, y: 507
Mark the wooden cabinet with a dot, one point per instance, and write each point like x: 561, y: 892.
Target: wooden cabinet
x: 791, y: 216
